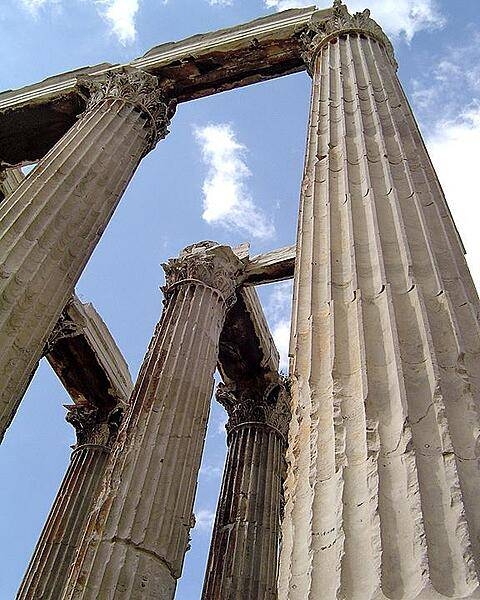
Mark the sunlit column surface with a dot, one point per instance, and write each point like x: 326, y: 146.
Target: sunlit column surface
x: 51, y: 223
x: 138, y: 534
x: 243, y: 560
x: 383, y: 478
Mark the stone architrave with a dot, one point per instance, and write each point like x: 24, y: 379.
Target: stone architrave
x: 51, y: 223
x: 47, y: 572
x: 243, y: 559
x: 383, y: 459
x: 138, y: 533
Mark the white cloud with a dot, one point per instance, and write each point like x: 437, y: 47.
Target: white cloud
x: 453, y: 147
x: 33, y: 6
x: 278, y: 312
x: 399, y: 18
x: 120, y: 15
x: 204, y: 520
x: 220, y: 424
x: 220, y: 2
x: 211, y: 471
x: 454, y: 76
x: 227, y: 200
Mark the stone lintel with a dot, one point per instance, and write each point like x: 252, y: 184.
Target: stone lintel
x: 86, y: 358
x: 247, y: 350
x: 276, y: 265
x: 34, y: 118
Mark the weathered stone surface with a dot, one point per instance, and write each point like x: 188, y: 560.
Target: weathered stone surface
x: 86, y: 359
x: 383, y: 450
x: 276, y: 265
x: 81, y: 349
x: 47, y: 572
x: 45, y: 244
x: 34, y: 118
x: 138, y: 533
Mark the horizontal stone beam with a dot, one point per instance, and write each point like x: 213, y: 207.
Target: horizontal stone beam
x: 86, y: 358
x: 33, y: 118
x: 270, y: 267
x: 247, y: 350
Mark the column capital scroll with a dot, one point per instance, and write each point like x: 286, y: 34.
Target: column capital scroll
x: 94, y: 426
x: 150, y: 96
x: 206, y: 263
x: 270, y: 406
x: 322, y: 29
x: 64, y: 328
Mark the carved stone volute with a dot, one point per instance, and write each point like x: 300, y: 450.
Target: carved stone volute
x: 321, y: 30
x: 64, y: 328
x: 147, y: 93
x: 255, y: 403
x: 206, y: 263
x: 94, y: 426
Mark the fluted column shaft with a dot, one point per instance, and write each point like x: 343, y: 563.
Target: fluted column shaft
x: 138, y: 533
x: 243, y: 559
x: 51, y: 223
x: 48, y: 569
x: 383, y: 448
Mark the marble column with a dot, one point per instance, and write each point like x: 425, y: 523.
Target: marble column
x: 138, y: 533
x: 383, y: 459
x: 47, y: 572
x: 51, y: 223
x: 243, y: 559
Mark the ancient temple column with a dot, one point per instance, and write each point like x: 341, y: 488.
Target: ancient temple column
x: 47, y: 572
x: 243, y: 559
x: 51, y: 223
x: 138, y: 533
x: 383, y: 470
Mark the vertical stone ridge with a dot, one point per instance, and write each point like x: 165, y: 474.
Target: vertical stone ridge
x: 138, y: 532
x: 405, y: 447
x: 243, y: 556
x: 48, y: 568
x: 453, y: 319
x: 53, y: 221
x: 447, y: 541
x: 360, y: 574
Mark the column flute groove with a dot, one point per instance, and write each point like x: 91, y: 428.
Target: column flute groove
x: 378, y: 334
x: 243, y: 558
x: 51, y: 223
x: 48, y: 569
x: 138, y: 532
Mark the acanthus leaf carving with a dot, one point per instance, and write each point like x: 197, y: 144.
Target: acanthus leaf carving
x: 93, y: 425
x: 253, y: 404
x: 147, y: 93
x: 64, y: 328
x: 206, y: 263
x: 322, y: 29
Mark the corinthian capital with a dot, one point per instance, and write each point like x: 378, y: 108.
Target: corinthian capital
x: 146, y: 92
x: 207, y: 263
x: 256, y: 403
x: 93, y: 425
x: 322, y: 29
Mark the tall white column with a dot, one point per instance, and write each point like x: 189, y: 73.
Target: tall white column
x: 138, y: 534
x: 51, y: 223
x: 384, y: 475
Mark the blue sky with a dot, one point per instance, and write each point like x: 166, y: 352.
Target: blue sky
x: 230, y: 171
